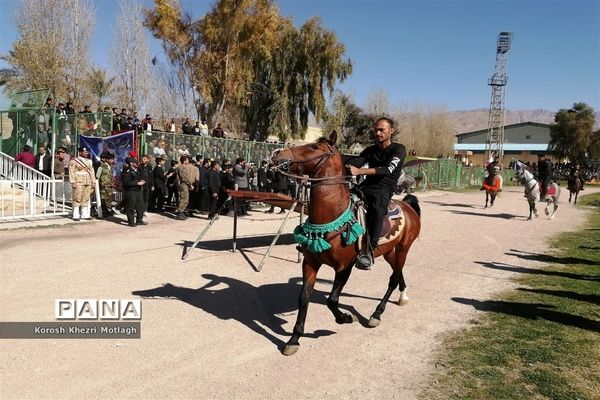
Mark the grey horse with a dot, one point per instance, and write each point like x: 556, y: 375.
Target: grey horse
x: 406, y: 183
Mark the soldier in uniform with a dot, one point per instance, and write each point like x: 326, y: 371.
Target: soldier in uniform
x: 186, y: 174
x: 105, y: 179
x: 82, y: 179
x: 132, y: 184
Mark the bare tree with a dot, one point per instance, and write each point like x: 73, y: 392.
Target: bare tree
x: 37, y: 55
x: 52, y: 49
x: 81, y: 14
x: 166, y: 100
x: 130, y: 58
x: 378, y: 103
x: 427, y: 129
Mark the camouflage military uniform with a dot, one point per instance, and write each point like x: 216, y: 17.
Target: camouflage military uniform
x: 106, y: 186
x: 186, y: 175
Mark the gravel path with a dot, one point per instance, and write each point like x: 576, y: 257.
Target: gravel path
x: 212, y: 326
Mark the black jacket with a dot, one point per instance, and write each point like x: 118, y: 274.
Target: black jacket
x: 131, y: 178
x: 214, y: 182
x: 159, y: 179
x: 387, y: 162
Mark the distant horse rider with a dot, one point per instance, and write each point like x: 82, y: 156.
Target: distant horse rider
x: 576, y: 173
x: 544, y: 170
x: 493, y: 168
x: 384, y: 161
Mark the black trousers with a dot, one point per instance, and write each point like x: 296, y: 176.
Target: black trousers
x: 545, y: 181
x: 377, y: 201
x: 145, y: 197
x: 135, y: 206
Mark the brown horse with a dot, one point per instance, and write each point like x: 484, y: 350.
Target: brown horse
x: 492, y: 184
x: 329, y: 199
x: 575, y: 186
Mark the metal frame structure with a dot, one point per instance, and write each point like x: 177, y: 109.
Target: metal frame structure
x: 495, y: 137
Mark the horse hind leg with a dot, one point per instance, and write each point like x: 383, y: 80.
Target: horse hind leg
x: 396, y: 280
x: 403, y: 300
x: 555, y: 204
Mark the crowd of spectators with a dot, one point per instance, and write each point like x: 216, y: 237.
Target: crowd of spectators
x: 198, y: 185
x: 561, y: 171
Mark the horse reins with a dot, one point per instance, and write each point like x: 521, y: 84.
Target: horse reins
x: 306, y: 180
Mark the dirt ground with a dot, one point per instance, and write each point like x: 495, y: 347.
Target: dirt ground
x: 212, y: 327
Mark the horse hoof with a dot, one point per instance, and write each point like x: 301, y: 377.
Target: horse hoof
x: 402, y: 302
x: 346, y: 319
x: 290, y: 349
x: 547, y: 212
x: 373, y: 322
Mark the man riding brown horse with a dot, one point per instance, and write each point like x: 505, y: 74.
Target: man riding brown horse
x: 384, y: 162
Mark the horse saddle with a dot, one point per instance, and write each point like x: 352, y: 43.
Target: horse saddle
x: 550, y: 189
x: 391, y: 226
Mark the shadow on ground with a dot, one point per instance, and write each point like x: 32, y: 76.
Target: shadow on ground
x: 524, y: 270
x: 531, y: 311
x: 526, y: 255
x: 499, y: 215
x: 259, y: 308
x: 590, y: 298
x: 241, y: 242
x: 440, y: 203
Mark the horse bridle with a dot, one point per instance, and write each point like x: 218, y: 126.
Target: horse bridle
x: 322, y: 159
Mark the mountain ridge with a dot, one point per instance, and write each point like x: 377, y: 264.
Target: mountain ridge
x: 475, y: 120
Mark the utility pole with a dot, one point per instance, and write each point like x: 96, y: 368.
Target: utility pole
x: 495, y: 135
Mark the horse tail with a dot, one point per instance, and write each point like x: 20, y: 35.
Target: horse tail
x: 412, y: 201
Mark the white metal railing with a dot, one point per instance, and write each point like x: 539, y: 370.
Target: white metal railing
x: 25, y: 192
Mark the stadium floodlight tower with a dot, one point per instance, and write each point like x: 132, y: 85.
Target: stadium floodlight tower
x: 495, y: 134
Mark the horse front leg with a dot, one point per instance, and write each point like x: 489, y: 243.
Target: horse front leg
x: 486, y: 198
x: 570, y: 195
x: 341, y: 277
x: 309, y: 276
x: 396, y: 260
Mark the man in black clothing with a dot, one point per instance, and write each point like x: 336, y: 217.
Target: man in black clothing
x: 280, y: 185
x: 264, y: 183
x: 147, y: 188
x: 160, y: 185
x: 544, y: 169
x: 132, y: 184
x: 187, y: 128
x: 214, y: 187
x: 384, y: 160
x: 227, y: 182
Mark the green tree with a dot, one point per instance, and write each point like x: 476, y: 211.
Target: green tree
x: 571, y: 133
x: 245, y: 59
x: 349, y: 120
x: 99, y: 84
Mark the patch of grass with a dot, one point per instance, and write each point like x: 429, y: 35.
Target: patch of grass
x: 589, y: 199
x: 541, y: 341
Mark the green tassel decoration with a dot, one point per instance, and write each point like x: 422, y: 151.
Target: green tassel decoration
x: 312, y: 236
